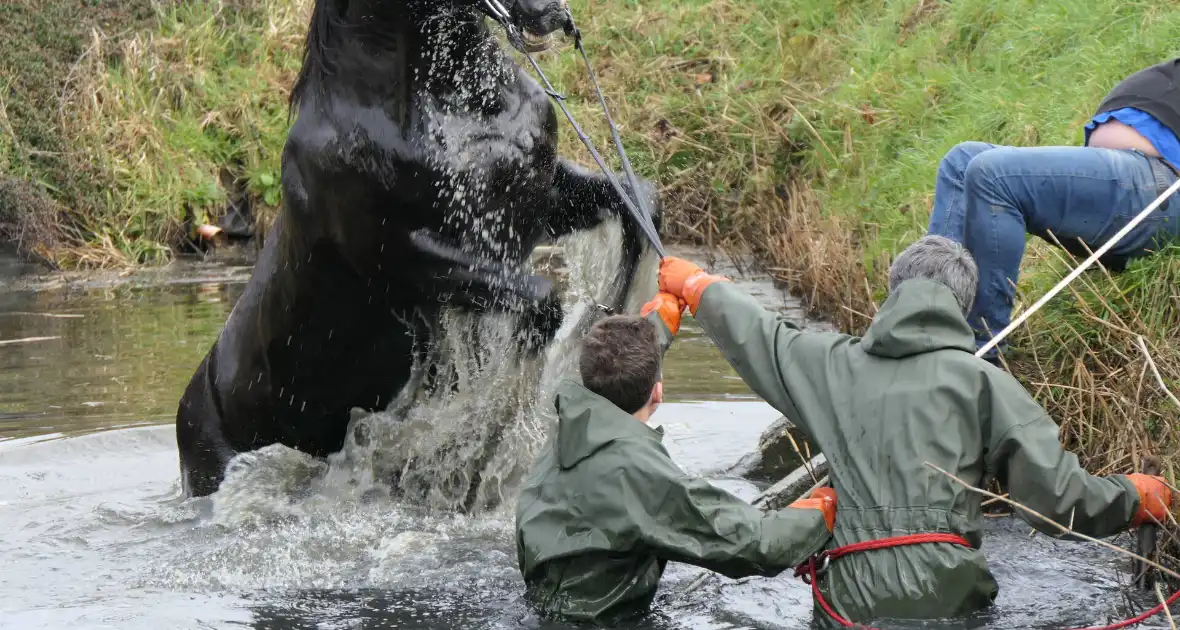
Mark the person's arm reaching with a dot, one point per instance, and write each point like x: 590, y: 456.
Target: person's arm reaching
x: 754, y: 340
x: 1025, y: 452
x: 686, y: 519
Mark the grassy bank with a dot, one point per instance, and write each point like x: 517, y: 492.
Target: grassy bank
x: 805, y: 132
x: 40, y: 177
x: 145, y: 118
x: 181, y: 117
x: 810, y: 133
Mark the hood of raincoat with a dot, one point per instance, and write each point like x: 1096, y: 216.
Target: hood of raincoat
x: 589, y: 422
x: 920, y: 316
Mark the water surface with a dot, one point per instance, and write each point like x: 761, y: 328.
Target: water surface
x: 123, y: 346
x: 96, y: 535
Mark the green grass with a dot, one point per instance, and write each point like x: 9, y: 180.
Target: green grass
x: 175, y: 115
x: 1014, y: 72
x: 128, y: 124
x: 697, y: 87
x: 39, y: 168
x: 815, y: 140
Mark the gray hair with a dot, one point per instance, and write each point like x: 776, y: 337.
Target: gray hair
x: 942, y: 260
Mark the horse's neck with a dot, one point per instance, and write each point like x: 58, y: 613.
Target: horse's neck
x: 399, y: 52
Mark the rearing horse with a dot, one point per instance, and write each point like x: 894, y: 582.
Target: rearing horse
x: 419, y: 175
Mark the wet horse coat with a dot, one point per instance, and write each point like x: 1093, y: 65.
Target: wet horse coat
x: 420, y: 172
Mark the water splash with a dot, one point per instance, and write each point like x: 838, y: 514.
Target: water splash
x: 463, y: 448
x: 469, y: 447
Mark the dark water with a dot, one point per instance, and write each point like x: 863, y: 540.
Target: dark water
x: 96, y: 535
x: 124, y: 347
x: 121, y: 353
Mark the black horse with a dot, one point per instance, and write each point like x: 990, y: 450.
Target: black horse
x: 419, y: 175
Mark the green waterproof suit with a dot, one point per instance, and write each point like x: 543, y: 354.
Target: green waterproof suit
x: 605, y: 508
x: 911, y: 391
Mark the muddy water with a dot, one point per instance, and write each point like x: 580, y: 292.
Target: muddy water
x: 96, y: 536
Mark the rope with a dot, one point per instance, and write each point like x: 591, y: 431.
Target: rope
x: 1141, y: 618
x: 642, y: 217
x: 810, y: 574
x: 1082, y: 267
x: 808, y: 571
x: 897, y: 541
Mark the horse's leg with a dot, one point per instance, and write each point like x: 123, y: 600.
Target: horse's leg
x: 581, y: 199
x: 204, y: 451
x: 458, y: 280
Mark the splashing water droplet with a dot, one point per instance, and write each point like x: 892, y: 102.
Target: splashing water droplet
x: 465, y: 429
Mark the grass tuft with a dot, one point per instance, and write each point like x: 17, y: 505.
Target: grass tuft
x: 176, y: 117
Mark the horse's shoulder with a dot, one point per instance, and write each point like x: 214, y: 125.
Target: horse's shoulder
x: 313, y: 129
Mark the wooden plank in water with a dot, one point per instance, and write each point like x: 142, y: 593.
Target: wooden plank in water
x: 6, y: 342
x: 1145, y: 538
x: 799, y: 482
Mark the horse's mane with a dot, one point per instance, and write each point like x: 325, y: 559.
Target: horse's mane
x: 325, y: 15
x: 329, y: 24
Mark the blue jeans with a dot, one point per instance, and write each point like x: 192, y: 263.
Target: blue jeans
x: 987, y: 197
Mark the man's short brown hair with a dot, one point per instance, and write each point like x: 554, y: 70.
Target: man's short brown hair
x: 621, y: 360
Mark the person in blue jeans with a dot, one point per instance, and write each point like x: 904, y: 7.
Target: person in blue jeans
x: 987, y: 196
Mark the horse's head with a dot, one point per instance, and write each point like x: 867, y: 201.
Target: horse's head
x: 535, y: 19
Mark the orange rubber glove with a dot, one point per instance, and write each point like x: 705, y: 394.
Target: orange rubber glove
x: 824, y: 500
x: 668, y: 306
x: 685, y: 280
x: 673, y: 272
x: 1155, y: 498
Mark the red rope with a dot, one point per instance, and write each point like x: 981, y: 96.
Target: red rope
x: 896, y: 541
x: 808, y: 569
x: 1141, y: 618
x: 824, y: 603
x: 808, y: 572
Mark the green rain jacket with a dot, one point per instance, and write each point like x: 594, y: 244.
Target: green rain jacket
x: 911, y: 391
x: 605, y: 508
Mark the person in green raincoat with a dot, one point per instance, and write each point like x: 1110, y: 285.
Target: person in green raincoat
x: 605, y: 507
x: 911, y: 391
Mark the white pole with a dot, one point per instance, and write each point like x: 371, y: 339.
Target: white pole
x: 1077, y: 272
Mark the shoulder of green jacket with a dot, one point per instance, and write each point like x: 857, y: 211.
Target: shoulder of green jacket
x: 587, y: 422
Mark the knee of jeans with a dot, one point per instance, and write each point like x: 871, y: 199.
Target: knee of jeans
x: 965, y: 151
x: 983, y: 171
x: 955, y: 161
x: 1002, y: 288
